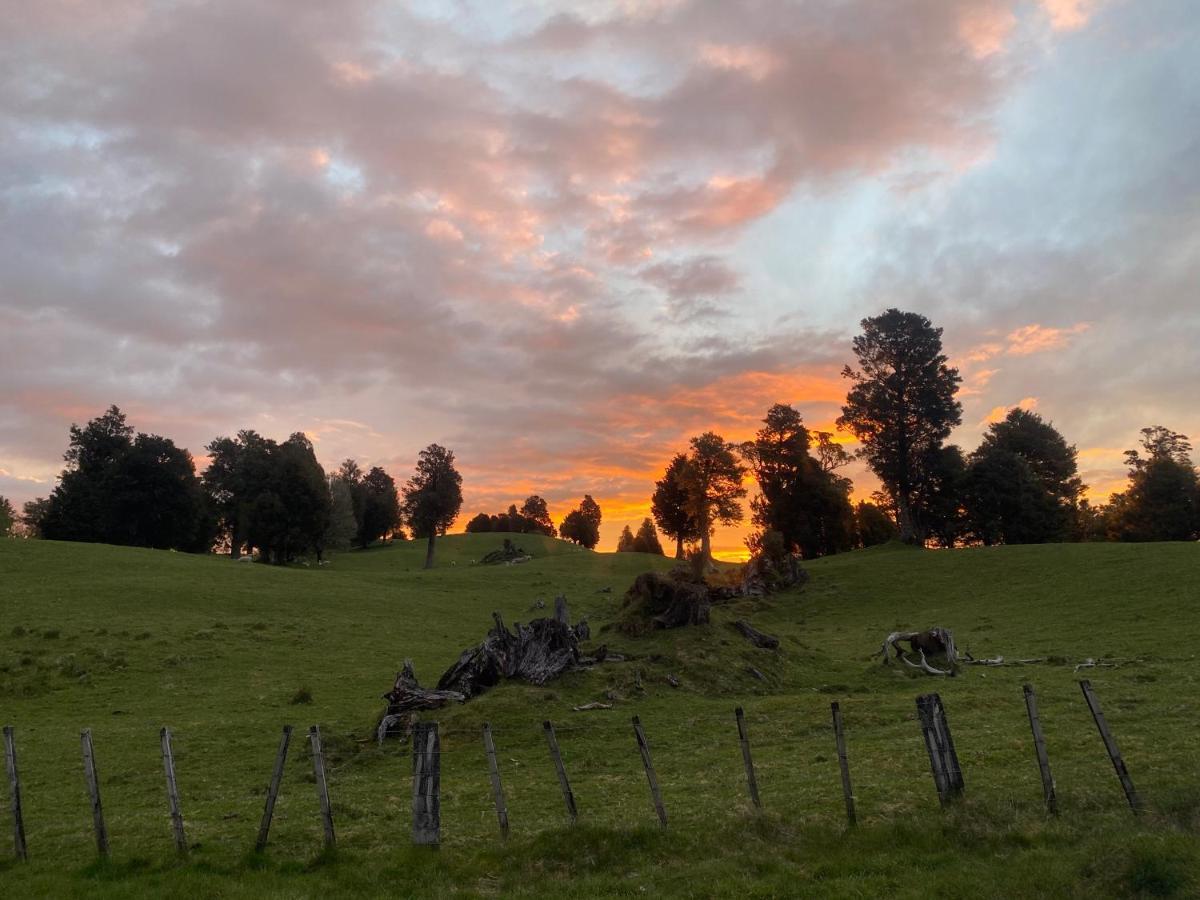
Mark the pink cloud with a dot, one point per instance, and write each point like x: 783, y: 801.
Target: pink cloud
x: 1040, y: 338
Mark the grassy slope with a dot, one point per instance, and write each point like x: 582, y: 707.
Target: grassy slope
x: 124, y: 641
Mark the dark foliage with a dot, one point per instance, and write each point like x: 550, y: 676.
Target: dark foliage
x: 669, y: 506
x: 433, y: 496
x: 582, y: 525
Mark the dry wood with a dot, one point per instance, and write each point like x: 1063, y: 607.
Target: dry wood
x: 754, y: 636
x: 935, y: 641
x: 1110, y: 744
x: 843, y: 763
x: 168, y: 756
x: 318, y: 760
x: 747, y: 760
x: 93, y: 786
x: 426, y: 787
x: 14, y: 788
x: 1039, y: 746
x: 568, y: 796
x: 489, y: 748
x: 264, y: 828
x: 943, y: 760
x: 644, y: 748
x: 593, y: 705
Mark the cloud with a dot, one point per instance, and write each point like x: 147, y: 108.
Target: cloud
x: 1069, y: 15
x: 999, y: 413
x: 1041, y: 339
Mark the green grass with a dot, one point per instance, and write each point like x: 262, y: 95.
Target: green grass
x: 124, y: 641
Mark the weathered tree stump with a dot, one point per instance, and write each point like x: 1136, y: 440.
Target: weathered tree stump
x: 659, y: 601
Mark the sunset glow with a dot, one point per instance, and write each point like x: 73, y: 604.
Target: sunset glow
x: 563, y: 238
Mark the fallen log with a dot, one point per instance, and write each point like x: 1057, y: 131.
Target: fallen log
x: 754, y: 636
x: 406, y: 698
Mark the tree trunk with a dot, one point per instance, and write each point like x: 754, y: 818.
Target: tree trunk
x: 679, y: 548
x: 904, y: 520
x: 235, y: 550
x: 429, y: 550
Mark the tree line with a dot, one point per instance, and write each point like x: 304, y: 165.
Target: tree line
x: 1020, y: 485
x: 257, y: 496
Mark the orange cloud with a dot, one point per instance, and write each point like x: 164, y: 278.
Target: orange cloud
x: 998, y: 413
x: 986, y: 30
x: 1069, y: 15
x: 1039, y: 338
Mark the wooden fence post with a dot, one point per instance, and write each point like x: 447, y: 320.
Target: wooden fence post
x: 568, y: 797
x: 318, y: 758
x: 93, y: 786
x: 644, y: 747
x: 489, y: 749
x: 14, y: 786
x: 747, y: 761
x: 1135, y: 802
x: 427, y: 764
x: 1039, y: 746
x: 943, y: 760
x: 264, y: 829
x: 164, y: 737
x: 843, y: 763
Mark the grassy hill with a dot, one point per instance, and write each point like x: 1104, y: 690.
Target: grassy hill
x: 124, y: 641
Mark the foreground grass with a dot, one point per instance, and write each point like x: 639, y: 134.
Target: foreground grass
x: 124, y: 641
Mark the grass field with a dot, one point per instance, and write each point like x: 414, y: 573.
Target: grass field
x: 124, y: 641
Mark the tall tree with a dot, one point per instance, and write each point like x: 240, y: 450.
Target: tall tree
x: 480, y: 524
x: 625, y: 543
x: 901, y: 407
x: 433, y: 496
x: 873, y: 526
x: 537, y: 515
x: 669, y: 506
x: 799, y: 495
x: 33, y: 514
x: 240, y: 470
x: 1163, y: 499
x: 8, y: 517
x: 712, y: 481
x: 646, y: 540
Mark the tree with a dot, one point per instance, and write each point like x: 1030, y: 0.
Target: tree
x: 625, y: 543
x: 1021, y: 485
x: 873, y: 526
x: 33, y: 513
x: 800, y: 496
x: 433, y: 496
x: 240, y: 470
x: 537, y: 516
x: 669, y: 506
x: 118, y: 489
x: 939, y: 503
x: 380, y: 507
x: 480, y: 524
x: 1163, y: 499
x: 646, y: 539
x: 712, y: 482
x: 8, y: 517
x: 343, y: 528
x: 901, y: 407
x: 582, y: 525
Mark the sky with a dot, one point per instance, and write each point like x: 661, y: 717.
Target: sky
x: 563, y: 238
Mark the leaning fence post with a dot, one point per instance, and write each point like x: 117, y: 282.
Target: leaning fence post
x: 1039, y: 746
x: 843, y: 763
x: 744, y: 740
x: 14, y: 786
x: 318, y: 758
x: 644, y: 747
x: 264, y: 829
x: 943, y: 760
x: 427, y: 764
x: 164, y: 737
x: 93, y: 786
x: 568, y: 797
x: 1135, y: 802
x: 489, y: 749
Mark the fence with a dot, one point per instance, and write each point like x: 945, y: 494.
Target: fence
x: 947, y: 774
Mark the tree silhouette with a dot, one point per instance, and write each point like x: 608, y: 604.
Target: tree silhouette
x: 712, y: 482
x: 433, y: 496
x: 901, y: 407
x: 669, y: 506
